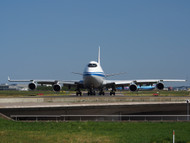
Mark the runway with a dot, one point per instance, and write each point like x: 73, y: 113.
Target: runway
x: 39, y: 100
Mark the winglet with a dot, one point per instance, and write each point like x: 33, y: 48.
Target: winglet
x: 9, y: 78
x: 99, y: 55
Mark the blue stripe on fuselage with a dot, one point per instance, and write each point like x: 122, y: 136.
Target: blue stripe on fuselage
x: 94, y: 73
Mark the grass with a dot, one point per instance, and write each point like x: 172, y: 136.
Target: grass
x: 93, y: 132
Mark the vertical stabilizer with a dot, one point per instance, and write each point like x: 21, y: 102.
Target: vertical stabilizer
x: 99, y: 55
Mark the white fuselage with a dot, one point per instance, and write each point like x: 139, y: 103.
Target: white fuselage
x: 93, y: 76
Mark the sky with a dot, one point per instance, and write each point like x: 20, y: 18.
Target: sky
x: 49, y: 39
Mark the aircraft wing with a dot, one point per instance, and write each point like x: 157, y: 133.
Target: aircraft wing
x: 149, y: 81
x: 121, y: 83
x: 34, y: 82
x: 38, y: 81
x: 138, y: 82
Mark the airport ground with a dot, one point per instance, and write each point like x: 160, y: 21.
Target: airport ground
x: 67, y: 103
x: 88, y: 131
x: 43, y: 93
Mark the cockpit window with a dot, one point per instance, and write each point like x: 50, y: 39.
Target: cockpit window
x: 92, y: 65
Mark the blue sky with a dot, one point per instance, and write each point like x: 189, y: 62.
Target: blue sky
x: 49, y: 39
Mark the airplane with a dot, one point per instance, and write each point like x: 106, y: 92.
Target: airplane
x: 94, y: 79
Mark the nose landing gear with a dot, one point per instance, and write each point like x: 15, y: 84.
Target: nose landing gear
x: 78, y: 92
x: 101, y: 92
x: 112, y: 92
x: 91, y: 92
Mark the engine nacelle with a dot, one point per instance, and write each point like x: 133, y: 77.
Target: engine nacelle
x: 57, y: 87
x: 133, y: 87
x: 32, y: 86
x: 160, y: 86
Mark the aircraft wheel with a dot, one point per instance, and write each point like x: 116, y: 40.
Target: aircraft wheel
x: 101, y: 93
x: 78, y: 93
x: 94, y: 93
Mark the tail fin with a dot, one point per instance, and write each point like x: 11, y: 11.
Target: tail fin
x: 99, y: 55
x: 9, y: 78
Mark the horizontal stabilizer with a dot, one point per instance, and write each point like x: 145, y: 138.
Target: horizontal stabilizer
x: 108, y: 75
x: 77, y: 73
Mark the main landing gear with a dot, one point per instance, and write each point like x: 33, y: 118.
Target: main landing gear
x: 101, y: 92
x: 78, y: 92
x: 112, y: 92
x: 91, y: 92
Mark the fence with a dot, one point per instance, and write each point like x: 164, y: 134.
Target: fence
x: 100, y: 117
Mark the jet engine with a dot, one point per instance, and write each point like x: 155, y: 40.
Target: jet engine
x: 57, y: 87
x: 133, y: 87
x: 32, y: 86
x: 160, y: 86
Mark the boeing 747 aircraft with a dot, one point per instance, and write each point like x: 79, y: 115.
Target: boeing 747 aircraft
x: 94, y: 79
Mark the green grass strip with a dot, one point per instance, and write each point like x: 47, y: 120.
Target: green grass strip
x: 93, y: 132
